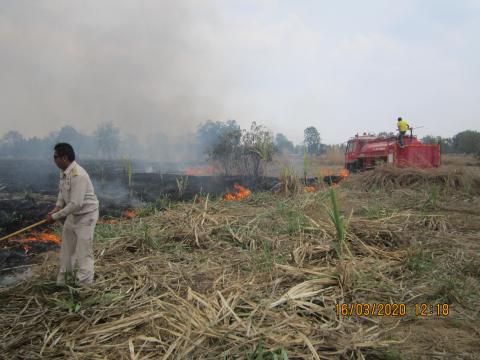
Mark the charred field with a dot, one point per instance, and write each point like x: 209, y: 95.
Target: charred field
x: 28, y: 190
x: 286, y: 272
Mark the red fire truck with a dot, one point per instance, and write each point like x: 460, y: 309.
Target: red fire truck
x: 367, y: 151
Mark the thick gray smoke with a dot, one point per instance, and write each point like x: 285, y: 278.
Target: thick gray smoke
x: 159, y: 66
x: 148, y: 66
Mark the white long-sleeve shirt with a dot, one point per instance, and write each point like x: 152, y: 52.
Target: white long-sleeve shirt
x: 76, y: 194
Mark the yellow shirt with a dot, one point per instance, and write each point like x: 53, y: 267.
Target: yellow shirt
x: 402, y: 125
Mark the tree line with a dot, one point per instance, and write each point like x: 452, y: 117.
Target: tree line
x: 210, y: 139
x: 465, y: 142
x: 221, y: 141
x: 104, y: 142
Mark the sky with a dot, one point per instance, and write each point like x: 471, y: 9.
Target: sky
x: 153, y: 66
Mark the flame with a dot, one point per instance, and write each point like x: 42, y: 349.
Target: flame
x: 242, y: 193
x: 129, y: 214
x: 343, y: 173
x: 328, y: 172
x: 41, y: 237
x: 309, y: 189
x: 201, y: 170
x: 332, y: 179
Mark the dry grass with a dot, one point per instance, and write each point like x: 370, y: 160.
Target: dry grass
x: 289, y: 184
x: 333, y: 157
x: 330, y: 163
x: 252, y: 279
x: 448, y: 179
x: 459, y: 160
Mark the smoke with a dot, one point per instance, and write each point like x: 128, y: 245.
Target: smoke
x: 155, y: 66
x: 114, y: 194
x: 148, y: 66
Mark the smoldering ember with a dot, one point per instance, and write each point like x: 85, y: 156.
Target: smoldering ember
x: 239, y: 180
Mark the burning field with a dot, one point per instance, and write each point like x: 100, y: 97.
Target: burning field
x: 17, y: 251
x: 383, y: 266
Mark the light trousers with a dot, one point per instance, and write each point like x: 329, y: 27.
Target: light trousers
x: 76, y: 252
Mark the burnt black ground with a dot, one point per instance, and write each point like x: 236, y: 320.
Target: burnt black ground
x: 22, y: 209
x: 13, y: 254
x: 111, y: 180
x: 28, y: 190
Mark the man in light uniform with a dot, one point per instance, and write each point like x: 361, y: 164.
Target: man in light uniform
x: 402, y: 126
x: 78, y: 204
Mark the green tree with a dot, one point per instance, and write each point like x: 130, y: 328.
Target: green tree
x: 83, y: 144
x: 446, y: 144
x: 12, y: 144
x: 227, y: 150
x: 68, y: 134
x: 247, y: 151
x: 429, y: 139
x: 208, y: 133
x: 258, y: 149
x: 467, y: 142
x: 108, y: 139
x: 311, y: 138
x: 283, y: 144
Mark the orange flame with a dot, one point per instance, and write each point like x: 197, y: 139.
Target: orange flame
x: 328, y: 172
x: 129, y: 214
x: 242, y: 193
x: 42, y: 237
x: 343, y: 173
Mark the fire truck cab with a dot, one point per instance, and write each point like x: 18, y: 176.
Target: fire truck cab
x: 368, y: 151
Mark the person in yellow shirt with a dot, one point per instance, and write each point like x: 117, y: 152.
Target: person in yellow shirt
x: 402, y: 129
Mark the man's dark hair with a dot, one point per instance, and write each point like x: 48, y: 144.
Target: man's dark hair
x: 399, y: 119
x: 64, y: 149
